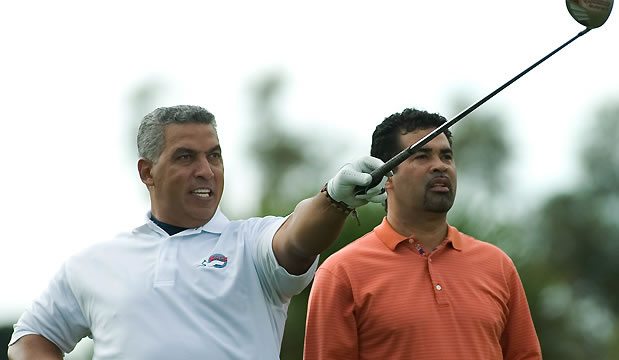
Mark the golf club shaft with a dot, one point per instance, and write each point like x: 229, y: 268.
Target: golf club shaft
x: 378, y: 173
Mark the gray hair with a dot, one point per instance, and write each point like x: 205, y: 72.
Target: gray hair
x: 151, y: 139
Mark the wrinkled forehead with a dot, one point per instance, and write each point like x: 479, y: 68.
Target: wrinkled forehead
x: 191, y: 135
x: 410, y: 138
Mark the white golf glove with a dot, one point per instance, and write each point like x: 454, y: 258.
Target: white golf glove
x: 343, y: 185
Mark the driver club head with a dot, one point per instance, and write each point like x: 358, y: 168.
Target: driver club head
x: 590, y: 13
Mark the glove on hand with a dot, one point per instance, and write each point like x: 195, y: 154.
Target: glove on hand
x: 342, y: 186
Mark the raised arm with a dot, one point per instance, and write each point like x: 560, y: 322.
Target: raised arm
x: 317, y: 222
x: 34, y: 347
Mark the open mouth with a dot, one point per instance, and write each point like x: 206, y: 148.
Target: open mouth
x: 204, y: 193
x: 440, y: 184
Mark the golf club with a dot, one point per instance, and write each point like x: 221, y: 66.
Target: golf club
x: 590, y: 13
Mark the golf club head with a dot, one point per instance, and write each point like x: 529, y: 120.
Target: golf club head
x: 590, y: 13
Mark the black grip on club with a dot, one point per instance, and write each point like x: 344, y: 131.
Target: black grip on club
x: 378, y: 173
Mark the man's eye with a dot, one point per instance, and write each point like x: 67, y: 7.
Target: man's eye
x: 184, y: 157
x: 215, y: 156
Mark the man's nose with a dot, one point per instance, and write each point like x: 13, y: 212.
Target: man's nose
x: 204, y: 169
x: 438, y: 165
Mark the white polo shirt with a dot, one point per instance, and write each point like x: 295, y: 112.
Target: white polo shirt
x: 214, y: 292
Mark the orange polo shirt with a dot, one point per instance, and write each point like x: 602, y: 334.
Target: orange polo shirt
x: 380, y: 297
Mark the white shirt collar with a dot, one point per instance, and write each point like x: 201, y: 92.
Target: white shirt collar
x: 217, y: 224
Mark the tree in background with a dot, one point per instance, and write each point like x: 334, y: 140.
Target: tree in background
x: 284, y: 158
x: 576, y: 236
x: 5, y: 336
x: 564, y: 250
x: 287, y: 159
x: 290, y: 166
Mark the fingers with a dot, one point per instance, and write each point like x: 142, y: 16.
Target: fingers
x: 367, y: 164
x: 376, y: 194
x: 351, y: 176
x: 342, y: 187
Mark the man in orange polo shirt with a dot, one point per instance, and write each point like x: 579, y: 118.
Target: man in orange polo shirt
x: 415, y: 287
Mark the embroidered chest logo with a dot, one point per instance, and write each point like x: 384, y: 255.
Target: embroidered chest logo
x: 216, y: 260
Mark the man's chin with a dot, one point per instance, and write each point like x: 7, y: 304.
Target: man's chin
x: 206, y: 217
x: 441, y: 205
x: 438, y: 210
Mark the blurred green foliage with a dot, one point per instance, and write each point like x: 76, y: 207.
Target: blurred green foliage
x: 565, y: 247
x: 5, y: 336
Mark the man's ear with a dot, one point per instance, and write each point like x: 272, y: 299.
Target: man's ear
x: 145, y: 168
x: 388, y: 183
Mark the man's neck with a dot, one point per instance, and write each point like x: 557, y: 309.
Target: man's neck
x: 429, y: 229
x: 168, y: 228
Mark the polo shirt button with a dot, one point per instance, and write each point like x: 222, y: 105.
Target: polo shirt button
x: 438, y: 287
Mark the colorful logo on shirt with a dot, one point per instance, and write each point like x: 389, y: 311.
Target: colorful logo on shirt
x: 216, y: 260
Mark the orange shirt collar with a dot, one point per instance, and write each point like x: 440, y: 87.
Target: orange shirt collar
x: 391, y: 238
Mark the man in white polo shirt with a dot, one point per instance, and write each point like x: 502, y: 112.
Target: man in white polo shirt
x: 189, y: 283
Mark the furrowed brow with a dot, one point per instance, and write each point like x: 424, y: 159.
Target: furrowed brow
x: 184, y: 150
x: 446, y: 151
x: 424, y: 150
x: 215, y: 148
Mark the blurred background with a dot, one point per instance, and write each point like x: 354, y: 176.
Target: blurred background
x: 297, y: 89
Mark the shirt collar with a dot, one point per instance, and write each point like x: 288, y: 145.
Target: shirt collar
x: 391, y: 238
x: 216, y: 225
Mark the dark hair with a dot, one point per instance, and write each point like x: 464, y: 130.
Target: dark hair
x: 386, y: 137
x: 151, y: 138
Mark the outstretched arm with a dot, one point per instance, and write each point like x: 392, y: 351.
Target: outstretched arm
x: 31, y: 347
x: 317, y: 222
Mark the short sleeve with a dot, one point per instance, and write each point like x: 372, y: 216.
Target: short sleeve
x: 55, y: 315
x: 280, y: 284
